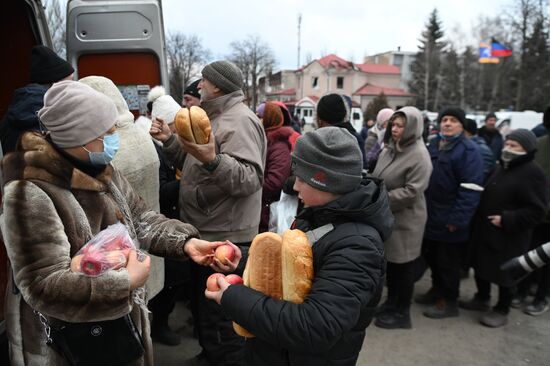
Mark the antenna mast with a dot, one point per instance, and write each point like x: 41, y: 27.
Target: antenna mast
x: 299, y: 37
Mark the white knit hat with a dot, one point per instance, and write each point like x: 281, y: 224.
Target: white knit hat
x: 164, y: 106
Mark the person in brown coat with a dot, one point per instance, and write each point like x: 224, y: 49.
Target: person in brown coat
x: 405, y: 166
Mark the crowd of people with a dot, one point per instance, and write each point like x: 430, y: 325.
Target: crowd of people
x: 383, y: 204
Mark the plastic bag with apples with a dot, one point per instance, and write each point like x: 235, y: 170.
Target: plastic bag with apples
x: 108, y: 249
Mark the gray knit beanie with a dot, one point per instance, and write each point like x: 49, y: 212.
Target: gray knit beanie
x: 76, y: 114
x: 525, y: 138
x: 328, y: 159
x: 225, y: 75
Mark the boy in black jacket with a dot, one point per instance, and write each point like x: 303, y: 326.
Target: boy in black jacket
x: 351, y: 218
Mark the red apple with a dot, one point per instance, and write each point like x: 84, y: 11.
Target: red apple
x: 225, y: 254
x: 234, y: 279
x: 212, y: 282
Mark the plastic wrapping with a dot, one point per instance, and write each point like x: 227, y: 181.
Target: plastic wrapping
x: 282, y: 213
x: 109, y: 249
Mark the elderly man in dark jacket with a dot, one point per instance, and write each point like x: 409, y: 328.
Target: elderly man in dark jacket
x: 351, y: 217
x: 451, y: 204
x: 46, y: 69
x: 492, y: 135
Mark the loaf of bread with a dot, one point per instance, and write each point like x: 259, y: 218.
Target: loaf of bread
x: 297, y: 266
x: 183, y: 125
x: 280, y: 267
x: 193, y: 125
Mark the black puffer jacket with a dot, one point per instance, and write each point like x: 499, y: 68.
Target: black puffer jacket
x: 328, y: 328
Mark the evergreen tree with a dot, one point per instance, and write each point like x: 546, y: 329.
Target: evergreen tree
x: 449, y: 92
x: 536, y: 59
x: 426, y: 66
x: 375, y: 105
x: 470, y: 80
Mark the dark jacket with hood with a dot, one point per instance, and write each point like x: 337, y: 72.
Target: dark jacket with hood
x: 519, y: 194
x: 328, y: 328
x: 449, y: 203
x: 21, y: 115
x: 494, y: 140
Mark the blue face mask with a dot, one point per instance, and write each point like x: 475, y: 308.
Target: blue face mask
x: 111, y: 144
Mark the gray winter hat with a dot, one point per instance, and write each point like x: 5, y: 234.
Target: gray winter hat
x: 525, y: 138
x: 225, y: 75
x: 328, y: 159
x: 76, y: 114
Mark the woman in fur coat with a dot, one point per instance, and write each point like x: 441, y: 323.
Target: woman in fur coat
x: 60, y: 190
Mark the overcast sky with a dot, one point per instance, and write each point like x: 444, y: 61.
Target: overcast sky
x: 351, y: 29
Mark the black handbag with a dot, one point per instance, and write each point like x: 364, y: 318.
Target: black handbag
x: 106, y: 343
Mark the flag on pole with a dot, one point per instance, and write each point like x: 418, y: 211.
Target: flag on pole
x: 485, y: 55
x: 499, y: 50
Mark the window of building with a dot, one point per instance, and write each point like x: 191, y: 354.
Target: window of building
x: 340, y: 82
x: 314, y: 82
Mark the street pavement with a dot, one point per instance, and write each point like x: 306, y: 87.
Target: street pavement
x: 458, y: 341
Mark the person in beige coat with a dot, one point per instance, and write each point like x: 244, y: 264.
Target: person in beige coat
x: 61, y: 190
x: 405, y: 166
x: 220, y: 191
x: 138, y: 162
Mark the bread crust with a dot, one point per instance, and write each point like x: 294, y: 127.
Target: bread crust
x: 183, y: 125
x: 200, y: 124
x: 280, y: 267
x: 297, y: 266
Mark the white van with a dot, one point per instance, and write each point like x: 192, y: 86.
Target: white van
x: 508, y: 121
x: 356, y: 118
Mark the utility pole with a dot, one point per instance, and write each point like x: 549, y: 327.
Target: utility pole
x: 299, y: 37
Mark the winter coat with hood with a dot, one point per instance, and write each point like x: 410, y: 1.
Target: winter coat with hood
x: 225, y: 203
x: 51, y: 209
x: 455, y: 162
x: 328, y: 328
x: 21, y: 115
x: 277, y: 169
x: 137, y: 160
x: 405, y: 167
x: 494, y: 140
x: 519, y: 194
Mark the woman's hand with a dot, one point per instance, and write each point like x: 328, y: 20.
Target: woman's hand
x: 138, y: 267
x: 217, y: 295
x: 201, y: 251
x: 230, y: 267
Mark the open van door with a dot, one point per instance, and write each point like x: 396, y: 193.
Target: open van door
x: 121, y: 40
x: 22, y: 26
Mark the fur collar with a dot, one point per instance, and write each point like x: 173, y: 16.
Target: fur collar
x: 36, y: 159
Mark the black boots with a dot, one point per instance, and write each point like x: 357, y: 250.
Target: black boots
x: 394, y: 320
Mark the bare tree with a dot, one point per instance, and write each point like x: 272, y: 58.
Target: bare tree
x: 186, y: 55
x: 55, y: 15
x: 255, y: 59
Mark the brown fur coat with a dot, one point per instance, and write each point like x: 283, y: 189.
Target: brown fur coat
x: 51, y: 209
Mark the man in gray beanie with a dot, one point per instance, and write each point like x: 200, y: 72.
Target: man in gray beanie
x: 220, y: 191
x: 346, y: 219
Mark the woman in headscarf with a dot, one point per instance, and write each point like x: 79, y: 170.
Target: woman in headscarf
x: 277, y: 162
